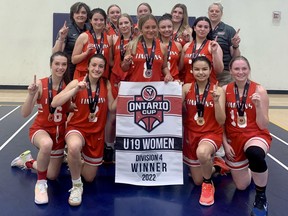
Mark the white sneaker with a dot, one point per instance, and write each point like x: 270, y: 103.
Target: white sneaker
x: 41, y: 195
x: 75, y: 198
x: 22, y: 159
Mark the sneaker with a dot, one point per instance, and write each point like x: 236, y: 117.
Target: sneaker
x: 219, y: 161
x: 260, y: 207
x: 41, y: 195
x: 207, y: 194
x: 220, y: 152
x: 108, y: 156
x: 75, y: 197
x: 22, y: 159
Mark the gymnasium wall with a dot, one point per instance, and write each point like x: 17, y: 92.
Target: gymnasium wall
x: 27, y: 35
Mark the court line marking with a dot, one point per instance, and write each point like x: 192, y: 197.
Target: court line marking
x: 9, y: 113
x: 284, y: 142
x: 4, y: 144
x: 277, y: 161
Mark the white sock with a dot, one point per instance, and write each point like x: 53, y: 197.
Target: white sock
x: 77, y: 181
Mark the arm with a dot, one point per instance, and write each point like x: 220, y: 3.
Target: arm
x: 60, y: 42
x: 219, y: 104
x: 111, y: 102
x: 69, y: 92
x: 111, y: 53
x: 234, y: 49
x: 78, y: 55
x: 217, y: 56
x: 181, y: 61
x: 185, y: 89
x: 34, y: 92
x: 261, y: 102
x: 165, y: 69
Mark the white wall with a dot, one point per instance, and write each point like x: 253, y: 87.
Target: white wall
x: 26, y: 34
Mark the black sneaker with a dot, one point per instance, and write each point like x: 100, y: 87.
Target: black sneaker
x: 108, y: 156
x: 260, y: 206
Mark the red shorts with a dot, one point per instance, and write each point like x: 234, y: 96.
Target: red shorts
x: 56, y: 133
x: 190, y: 144
x: 92, y: 151
x: 238, y: 142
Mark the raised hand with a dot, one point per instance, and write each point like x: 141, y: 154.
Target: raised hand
x: 256, y: 98
x: 33, y: 87
x: 215, y: 92
x: 236, y: 39
x: 83, y: 84
x: 63, y: 32
x: 214, y: 45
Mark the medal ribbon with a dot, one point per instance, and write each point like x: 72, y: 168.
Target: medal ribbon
x: 99, y: 47
x: 50, y: 93
x: 122, y: 50
x: 149, y: 58
x: 201, y: 104
x: 114, y: 28
x: 93, y: 101
x: 241, y: 105
x: 194, y: 54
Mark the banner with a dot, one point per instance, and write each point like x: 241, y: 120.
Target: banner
x: 149, y: 134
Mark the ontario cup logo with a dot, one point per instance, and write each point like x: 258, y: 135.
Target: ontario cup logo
x: 148, y: 108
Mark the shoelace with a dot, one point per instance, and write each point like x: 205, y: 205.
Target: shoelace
x: 260, y: 202
x: 75, y: 192
x: 42, y: 187
x: 207, y: 189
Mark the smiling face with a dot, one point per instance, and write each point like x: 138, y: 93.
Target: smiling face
x: 59, y: 66
x: 96, y: 68
x: 149, y: 29
x: 114, y: 13
x: 80, y: 16
x: 214, y: 13
x: 202, y: 29
x: 201, y: 70
x: 142, y: 10
x: 177, y: 15
x: 124, y: 25
x: 98, y: 22
x: 165, y: 28
x: 240, y: 70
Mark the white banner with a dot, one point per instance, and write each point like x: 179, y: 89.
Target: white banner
x: 149, y: 134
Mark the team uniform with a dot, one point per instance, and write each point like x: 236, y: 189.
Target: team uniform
x: 238, y: 135
x: 187, y: 70
x: 173, y: 61
x: 112, y: 30
x: 117, y: 74
x: 56, y: 127
x: 211, y: 131
x: 138, y: 68
x: 179, y: 39
x: 91, y: 131
x: 82, y: 67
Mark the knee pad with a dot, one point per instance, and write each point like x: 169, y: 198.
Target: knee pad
x: 256, y: 157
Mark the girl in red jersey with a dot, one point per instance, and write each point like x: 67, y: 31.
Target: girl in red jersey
x: 95, y: 40
x: 174, y: 48
x: 146, y: 58
x: 48, y: 130
x: 113, y: 14
x: 247, y: 140
x: 202, y: 44
x: 142, y: 10
x: 204, y: 105
x: 85, y: 130
x: 181, y: 29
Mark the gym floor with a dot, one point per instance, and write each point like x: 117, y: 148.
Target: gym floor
x: 105, y: 197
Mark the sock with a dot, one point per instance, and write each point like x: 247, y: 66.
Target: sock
x: 207, y: 181
x: 42, y: 175
x: 29, y: 164
x: 77, y: 182
x: 260, y: 191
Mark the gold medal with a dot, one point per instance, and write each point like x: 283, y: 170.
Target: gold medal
x: 200, y: 121
x: 91, y: 116
x: 50, y: 117
x: 241, y: 120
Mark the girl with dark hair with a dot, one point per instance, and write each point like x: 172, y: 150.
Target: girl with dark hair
x: 48, y: 130
x: 202, y: 44
x: 68, y: 34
